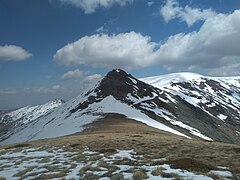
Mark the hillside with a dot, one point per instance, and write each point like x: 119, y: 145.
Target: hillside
x: 120, y: 148
x: 13, y: 120
x: 188, y: 105
x: 125, y: 128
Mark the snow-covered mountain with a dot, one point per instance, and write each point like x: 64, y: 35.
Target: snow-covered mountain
x: 10, y: 120
x: 185, y: 104
x: 219, y: 97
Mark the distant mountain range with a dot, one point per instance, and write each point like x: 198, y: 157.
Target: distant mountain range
x: 185, y: 104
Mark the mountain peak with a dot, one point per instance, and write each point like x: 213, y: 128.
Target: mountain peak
x: 117, y: 72
x: 117, y: 83
x: 58, y: 100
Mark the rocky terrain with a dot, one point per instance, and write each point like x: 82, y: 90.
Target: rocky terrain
x: 176, y: 126
x: 185, y: 104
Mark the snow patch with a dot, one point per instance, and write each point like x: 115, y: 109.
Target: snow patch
x: 222, y: 117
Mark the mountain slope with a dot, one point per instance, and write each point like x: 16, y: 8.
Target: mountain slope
x: 162, y: 107
x: 107, y: 96
x: 10, y: 120
x: 219, y: 97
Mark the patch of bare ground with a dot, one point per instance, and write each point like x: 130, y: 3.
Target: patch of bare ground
x: 157, y: 147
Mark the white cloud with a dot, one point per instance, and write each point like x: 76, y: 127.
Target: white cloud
x: 7, y: 91
x: 172, y: 10
x: 72, y: 74
x: 150, y: 3
x: 92, y: 78
x: 12, y: 98
x: 125, y: 50
x: 89, y: 6
x: 101, y: 29
x: 230, y: 68
x: 13, y: 53
x: 45, y: 90
x: 215, y: 45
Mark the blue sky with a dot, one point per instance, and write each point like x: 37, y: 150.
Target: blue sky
x: 55, y: 48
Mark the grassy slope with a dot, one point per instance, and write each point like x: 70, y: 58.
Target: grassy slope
x: 116, y: 132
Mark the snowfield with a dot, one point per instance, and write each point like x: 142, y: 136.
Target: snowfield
x: 43, y: 127
x: 217, y: 97
x: 30, y: 113
x: 202, y: 93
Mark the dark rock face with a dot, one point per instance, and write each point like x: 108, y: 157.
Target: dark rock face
x: 146, y: 98
x: 165, y: 106
x: 118, y: 84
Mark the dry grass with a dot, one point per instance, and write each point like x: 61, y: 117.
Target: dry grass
x: 51, y: 176
x: 79, y: 158
x: 110, y: 167
x: 21, y: 145
x: 120, y: 133
x: 118, y: 176
x: 108, y: 151
x: 190, y: 165
x: 139, y: 175
x: 158, y: 171
x: 88, y: 168
x: 25, y: 171
x: 44, y: 160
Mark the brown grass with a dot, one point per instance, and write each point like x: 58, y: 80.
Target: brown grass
x: 118, y: 176
x: 139, y: 175
x: 190, y: 165
x: 51, y: 176
x: 18, y: 146
x: 120, y: 133
x: 44, y: 160
x: 158, y: 171
x: 25, y: 171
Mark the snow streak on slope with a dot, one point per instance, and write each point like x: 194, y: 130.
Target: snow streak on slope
x: 203, y: 92
x: 165, y: 114
x: 184, y: 104
x: 43, y: 127
x: 30, y: 113
x: 109, y: 105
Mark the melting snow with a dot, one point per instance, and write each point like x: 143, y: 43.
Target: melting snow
x: 35, y: 167
x: 109, y: 104
x: 221, y: 173
x: 133, y: 81
x: 222, y: 117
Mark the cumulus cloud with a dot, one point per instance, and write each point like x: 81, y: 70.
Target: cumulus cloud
x: 215, y: 45
x: 230, y: 68
x: 13, y: 53
x: 93, y: 78
x: 125, y: 50
x: 172, y: 10
x: 89, y: 6
x: 72, y: 74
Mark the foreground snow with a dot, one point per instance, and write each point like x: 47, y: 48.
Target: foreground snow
x: 51, y: 162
